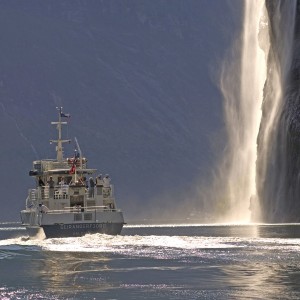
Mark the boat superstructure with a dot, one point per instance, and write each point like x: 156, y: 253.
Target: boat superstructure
x: 68, y: 199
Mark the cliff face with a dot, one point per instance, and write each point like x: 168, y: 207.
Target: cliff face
x: 137, y: 78
x: 278, y: 164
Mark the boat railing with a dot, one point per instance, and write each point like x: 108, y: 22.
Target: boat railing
x: 82, y: 209
x: 31, y: 202
x: 62, y: 192
x: 45, y: 192
x: 32, y: 194
x: 105, y: 192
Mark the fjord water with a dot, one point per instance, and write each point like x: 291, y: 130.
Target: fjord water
x: 154, y: 262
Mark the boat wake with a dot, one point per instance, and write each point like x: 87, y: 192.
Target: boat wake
x: 157, y: 247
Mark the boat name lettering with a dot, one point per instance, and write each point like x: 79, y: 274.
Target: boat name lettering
x: 82, y: 226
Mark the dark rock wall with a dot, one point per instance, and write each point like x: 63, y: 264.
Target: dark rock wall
x: 278, y: 164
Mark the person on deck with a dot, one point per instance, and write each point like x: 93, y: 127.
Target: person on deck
x: 99, y: 180
x: 106, y: 181
x: 41, y: 182
x: 91, y: 187
x: 50, y: 183
x: 43, y: 208
x: 99, y: 184
x: 63, y: 186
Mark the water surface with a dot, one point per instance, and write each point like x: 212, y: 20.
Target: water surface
x: 154, y: 262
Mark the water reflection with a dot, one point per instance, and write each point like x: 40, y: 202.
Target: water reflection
x: 73, y: 271
x: 263, y: 280
x: 279, y: 231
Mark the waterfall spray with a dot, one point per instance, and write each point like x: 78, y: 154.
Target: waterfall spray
x: 242, y: 85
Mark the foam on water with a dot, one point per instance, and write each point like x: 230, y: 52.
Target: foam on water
x: 160, y: 247
x: 104, y: 243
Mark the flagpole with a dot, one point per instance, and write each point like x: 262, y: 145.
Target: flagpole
x: 75, y: 172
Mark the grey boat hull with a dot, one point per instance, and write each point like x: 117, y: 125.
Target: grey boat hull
x: 77, y: 230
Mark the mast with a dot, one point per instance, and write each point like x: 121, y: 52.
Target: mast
x: 60, y: 141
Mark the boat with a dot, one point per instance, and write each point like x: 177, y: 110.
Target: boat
x: 64, y: 202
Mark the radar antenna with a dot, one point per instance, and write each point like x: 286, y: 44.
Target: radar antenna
x: 79, y: 151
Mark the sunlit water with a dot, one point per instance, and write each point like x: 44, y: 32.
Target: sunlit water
x: 154, y: 262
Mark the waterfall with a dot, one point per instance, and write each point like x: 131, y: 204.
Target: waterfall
x: 242, y: 83
x: 252, y: 83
